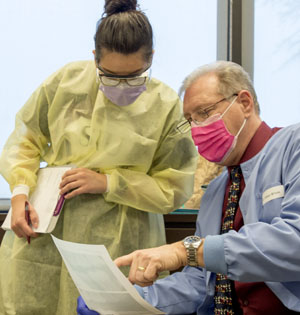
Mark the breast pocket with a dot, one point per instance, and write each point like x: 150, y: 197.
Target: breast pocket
x: 272, y: 198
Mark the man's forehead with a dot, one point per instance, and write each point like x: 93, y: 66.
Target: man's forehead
x: 201, y: 92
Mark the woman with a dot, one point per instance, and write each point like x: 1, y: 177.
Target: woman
x: 117, y: 126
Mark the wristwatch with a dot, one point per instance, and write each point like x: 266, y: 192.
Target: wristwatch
x: 191, y: 244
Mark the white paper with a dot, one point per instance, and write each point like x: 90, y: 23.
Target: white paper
x: 101, y: 284
x: 44, y: 198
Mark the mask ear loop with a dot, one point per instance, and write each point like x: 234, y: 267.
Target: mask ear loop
x: 235, y: 139
x: 149, y: 77
x: 97, y: 76
x: 244, y: 119
x: 241, y: 127
x: 229, y: 107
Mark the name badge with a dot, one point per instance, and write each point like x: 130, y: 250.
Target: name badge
x: 272, y: 193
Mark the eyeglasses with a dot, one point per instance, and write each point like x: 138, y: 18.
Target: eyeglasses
x: 200, y: 115
x: 132, y: 80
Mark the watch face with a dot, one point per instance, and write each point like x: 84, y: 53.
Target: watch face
x: 192, y: 239
x: 191, y: 244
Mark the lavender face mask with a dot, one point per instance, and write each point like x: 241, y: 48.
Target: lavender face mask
x: 122, y: 95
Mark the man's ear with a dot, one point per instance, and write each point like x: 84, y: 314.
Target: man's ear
x: 246, y: 100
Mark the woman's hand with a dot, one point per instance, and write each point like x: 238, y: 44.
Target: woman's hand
x: 18, y: 221
x: 79, y: 181
x: 146, y: 264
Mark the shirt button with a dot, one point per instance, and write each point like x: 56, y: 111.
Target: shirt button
x: 246, y: 302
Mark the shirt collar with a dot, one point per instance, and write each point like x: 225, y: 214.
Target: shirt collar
x: 258, y: 141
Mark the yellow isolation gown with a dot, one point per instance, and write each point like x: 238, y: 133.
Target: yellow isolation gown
x: 68, y: 120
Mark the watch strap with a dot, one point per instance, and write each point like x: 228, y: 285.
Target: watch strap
x: 192, y: 256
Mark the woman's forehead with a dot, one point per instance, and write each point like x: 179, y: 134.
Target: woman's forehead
x: 121, y: 64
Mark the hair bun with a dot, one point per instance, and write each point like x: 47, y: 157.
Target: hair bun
x: 117, y: 6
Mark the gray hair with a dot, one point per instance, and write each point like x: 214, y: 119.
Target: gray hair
x: 231, y: 76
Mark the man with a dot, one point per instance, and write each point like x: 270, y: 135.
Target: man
x: 246, y: 256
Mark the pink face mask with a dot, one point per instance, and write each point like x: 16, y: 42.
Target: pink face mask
x: 213, y: 139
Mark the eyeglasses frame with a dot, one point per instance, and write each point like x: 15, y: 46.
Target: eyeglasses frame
x: 205, y: 112
x: 122, y: 77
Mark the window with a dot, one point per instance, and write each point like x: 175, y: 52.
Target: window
x: 38, y: 37
x: 277, y: 60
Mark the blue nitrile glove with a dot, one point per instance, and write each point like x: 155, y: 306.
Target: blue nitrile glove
x: 82, y: 309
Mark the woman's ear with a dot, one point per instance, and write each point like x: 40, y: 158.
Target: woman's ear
x: 94, y: 53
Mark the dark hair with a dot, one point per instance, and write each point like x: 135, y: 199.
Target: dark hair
x: 124, y: 29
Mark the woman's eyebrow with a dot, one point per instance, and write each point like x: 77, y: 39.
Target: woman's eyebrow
x: 114, y: 73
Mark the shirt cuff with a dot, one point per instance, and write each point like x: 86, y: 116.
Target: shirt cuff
x: 20, y: 190
x: 213, y: 254
x: 140, y: 290
x: 107, y: 182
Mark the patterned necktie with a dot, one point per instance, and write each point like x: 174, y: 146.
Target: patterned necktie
x: 224, y: 287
